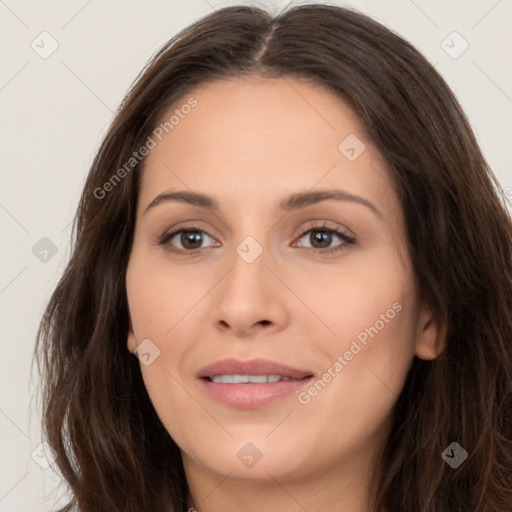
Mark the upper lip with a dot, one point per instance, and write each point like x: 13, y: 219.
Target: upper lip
x: 251, y: 367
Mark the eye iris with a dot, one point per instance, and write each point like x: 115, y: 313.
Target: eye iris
x: 191, y: 239
x: 322, y: 237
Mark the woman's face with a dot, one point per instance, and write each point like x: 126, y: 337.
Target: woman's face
x: 297, y: 256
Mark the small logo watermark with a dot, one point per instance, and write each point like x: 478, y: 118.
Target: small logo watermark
x: 147, y: 352
x: 44, y: 250
x: 454, y: 455
x: 249, y: 249
x: 44, y: 45
x: 351, y: 147
x: 249, y: 455
x: 44, y: 455
x: 454, y: 45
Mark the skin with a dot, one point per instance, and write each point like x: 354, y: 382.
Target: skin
x: 249, y: 144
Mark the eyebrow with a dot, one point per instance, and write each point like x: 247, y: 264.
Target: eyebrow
x: 292, y: 202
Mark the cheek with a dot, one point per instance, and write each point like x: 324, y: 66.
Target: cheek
x: 371, y: 312
x: 161, y: 296
x: 163, y: 308
x: 352, y: 296
x: 365, y: 366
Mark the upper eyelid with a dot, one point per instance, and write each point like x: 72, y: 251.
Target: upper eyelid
x: 318, y: 227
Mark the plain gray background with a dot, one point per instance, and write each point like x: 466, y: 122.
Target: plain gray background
x: 56, y: 108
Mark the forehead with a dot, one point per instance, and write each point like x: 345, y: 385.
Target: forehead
x: 277, y: 134
x: 279, y: 112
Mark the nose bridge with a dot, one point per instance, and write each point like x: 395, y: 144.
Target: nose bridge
x: 251, y: 250
x: 255, y: 250
x: 248, y: 266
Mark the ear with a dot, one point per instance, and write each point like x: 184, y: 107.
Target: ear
x: 431, y: 336
x: 131, y: 340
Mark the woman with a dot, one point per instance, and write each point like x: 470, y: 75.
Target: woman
x: 291, y: 226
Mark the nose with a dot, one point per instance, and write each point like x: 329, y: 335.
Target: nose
x: 250, y: 299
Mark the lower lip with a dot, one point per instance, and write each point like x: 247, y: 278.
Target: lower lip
x: 252, y: 395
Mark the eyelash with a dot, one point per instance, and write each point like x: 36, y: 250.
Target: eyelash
x: 348, y: 241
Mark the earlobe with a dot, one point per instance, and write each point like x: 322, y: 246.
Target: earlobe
x: 131, y: 341
x: 431, y: 339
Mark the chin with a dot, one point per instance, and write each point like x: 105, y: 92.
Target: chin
x: 249, y: 457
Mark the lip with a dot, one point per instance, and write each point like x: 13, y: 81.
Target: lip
x: 252, y: 395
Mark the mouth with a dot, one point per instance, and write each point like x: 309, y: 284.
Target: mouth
x: 250, y: 384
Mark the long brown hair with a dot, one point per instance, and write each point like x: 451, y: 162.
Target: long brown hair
x: 114, y: 452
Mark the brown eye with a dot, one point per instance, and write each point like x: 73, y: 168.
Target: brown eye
x: 320, y: 239
x: 186, y: 240
x: 191, y: 239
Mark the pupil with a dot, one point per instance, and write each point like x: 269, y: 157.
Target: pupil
x: 191, y: 238
x: 322, y: 237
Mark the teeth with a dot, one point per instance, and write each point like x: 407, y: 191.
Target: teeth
x: 243, y: 379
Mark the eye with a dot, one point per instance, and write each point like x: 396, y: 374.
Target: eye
x: 320, y: 239
x: 186, y: 240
